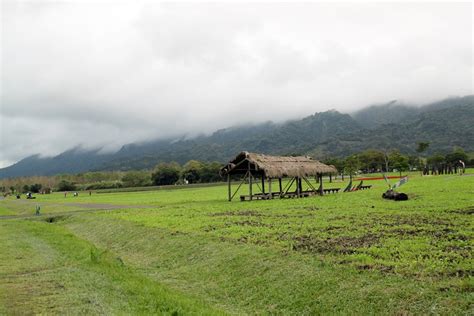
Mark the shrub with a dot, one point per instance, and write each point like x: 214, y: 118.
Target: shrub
x: 65, y: 185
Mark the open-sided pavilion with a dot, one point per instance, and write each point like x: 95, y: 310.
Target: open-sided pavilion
x: 252, y: 166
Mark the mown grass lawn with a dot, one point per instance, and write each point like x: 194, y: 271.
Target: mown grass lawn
x: 189, y: 251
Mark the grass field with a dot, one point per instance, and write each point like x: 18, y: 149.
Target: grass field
x: 190, y: 251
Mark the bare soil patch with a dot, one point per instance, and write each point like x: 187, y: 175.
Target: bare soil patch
x: 340, y: 245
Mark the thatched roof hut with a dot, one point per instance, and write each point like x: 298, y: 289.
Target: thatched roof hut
x: 276, y: 166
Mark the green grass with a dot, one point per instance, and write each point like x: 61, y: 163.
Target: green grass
x: 190, y: 251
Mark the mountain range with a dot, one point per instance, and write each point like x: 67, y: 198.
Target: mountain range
x: 393, y: 125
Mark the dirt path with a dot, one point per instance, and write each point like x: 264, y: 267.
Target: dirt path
x: 47, y: 215
x: 85, y: 208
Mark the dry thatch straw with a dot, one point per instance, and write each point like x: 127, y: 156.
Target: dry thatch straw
x: 276, y: 166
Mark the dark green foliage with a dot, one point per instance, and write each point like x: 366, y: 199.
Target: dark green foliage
x: 35, y: 188
x: 372, y: 160
x: 422, y: 146
x: 436, y: 160
x: 415, y: 162
x: 210, y: 172
x: 390, y: 113
x: 166, y: 173
x: 136, y: 179
x: 398, y: 161
x: 192, y: 171
x: 65, y: 185
x: 104, y: 185
x: 456, y: 155
x: 26, y: 188
x: 200, y: 172
x: 352, y: 164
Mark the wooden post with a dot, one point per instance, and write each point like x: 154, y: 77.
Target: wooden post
x: 250, y: 184
x: 321, y: 184
x: 330, y: 178
x: 281, y: 187
x: 263, y: 184
x: 297, y: 187
x: 270, y: 187
x: 228, y: 184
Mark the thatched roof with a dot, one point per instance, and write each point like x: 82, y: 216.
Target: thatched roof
x: 276, y: 166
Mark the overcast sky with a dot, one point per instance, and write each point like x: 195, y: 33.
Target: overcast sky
x: 111, y: 73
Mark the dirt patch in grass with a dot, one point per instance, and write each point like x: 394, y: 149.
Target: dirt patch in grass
x: 375, y: 267
x: 461, y: 273
x: 412, y: 220
x: 249, y: 223
x: 290, y: 214
x: 55, y: 219
x: 465, y: 211
x: 237, y: 213
x: 462, y: 251
x: 339, y: 245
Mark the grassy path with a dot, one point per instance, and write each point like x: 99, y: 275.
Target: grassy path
x: 46, y: 269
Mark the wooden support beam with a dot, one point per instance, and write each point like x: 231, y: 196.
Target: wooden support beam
x: 310, y: 185
x: 321, y: 191
x: 298, y: 192
x: 228, y: 186
x: 281, y: 188
x: 238, y: 188
x: 270, y: 187
x: 263, y: 184
x: 250, y: 184
x: 287, y: 187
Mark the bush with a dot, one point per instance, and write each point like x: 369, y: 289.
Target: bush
x: 136, y: 179
x: 64, y: 185
x: 25, y: 188
x: 103, y: 185
x: 166, y: 173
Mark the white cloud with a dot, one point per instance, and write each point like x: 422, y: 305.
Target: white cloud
x: 110, y: 73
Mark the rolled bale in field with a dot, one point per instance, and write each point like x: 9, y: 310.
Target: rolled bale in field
x: 393, y: 195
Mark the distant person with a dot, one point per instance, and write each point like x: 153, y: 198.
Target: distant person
x: 65, y: 194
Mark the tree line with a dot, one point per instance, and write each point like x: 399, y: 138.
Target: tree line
x: 163, y: 174
x: 372, y: 160
x: 168, y: 173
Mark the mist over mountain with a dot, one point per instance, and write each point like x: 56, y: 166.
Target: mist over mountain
x: 393, y: 125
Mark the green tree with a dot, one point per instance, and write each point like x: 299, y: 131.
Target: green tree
x: 192, y: 171
x: 352, y: 164
x: 210, y: 172
x: 456, y: 155
x: 398, y: 161
x: 35, y: 188
x: 415, y: 162
x: 136, y: 179
x: 421, y: 147
x: 371, y: 160
x: 166, y: 173
x: 65, y: 185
